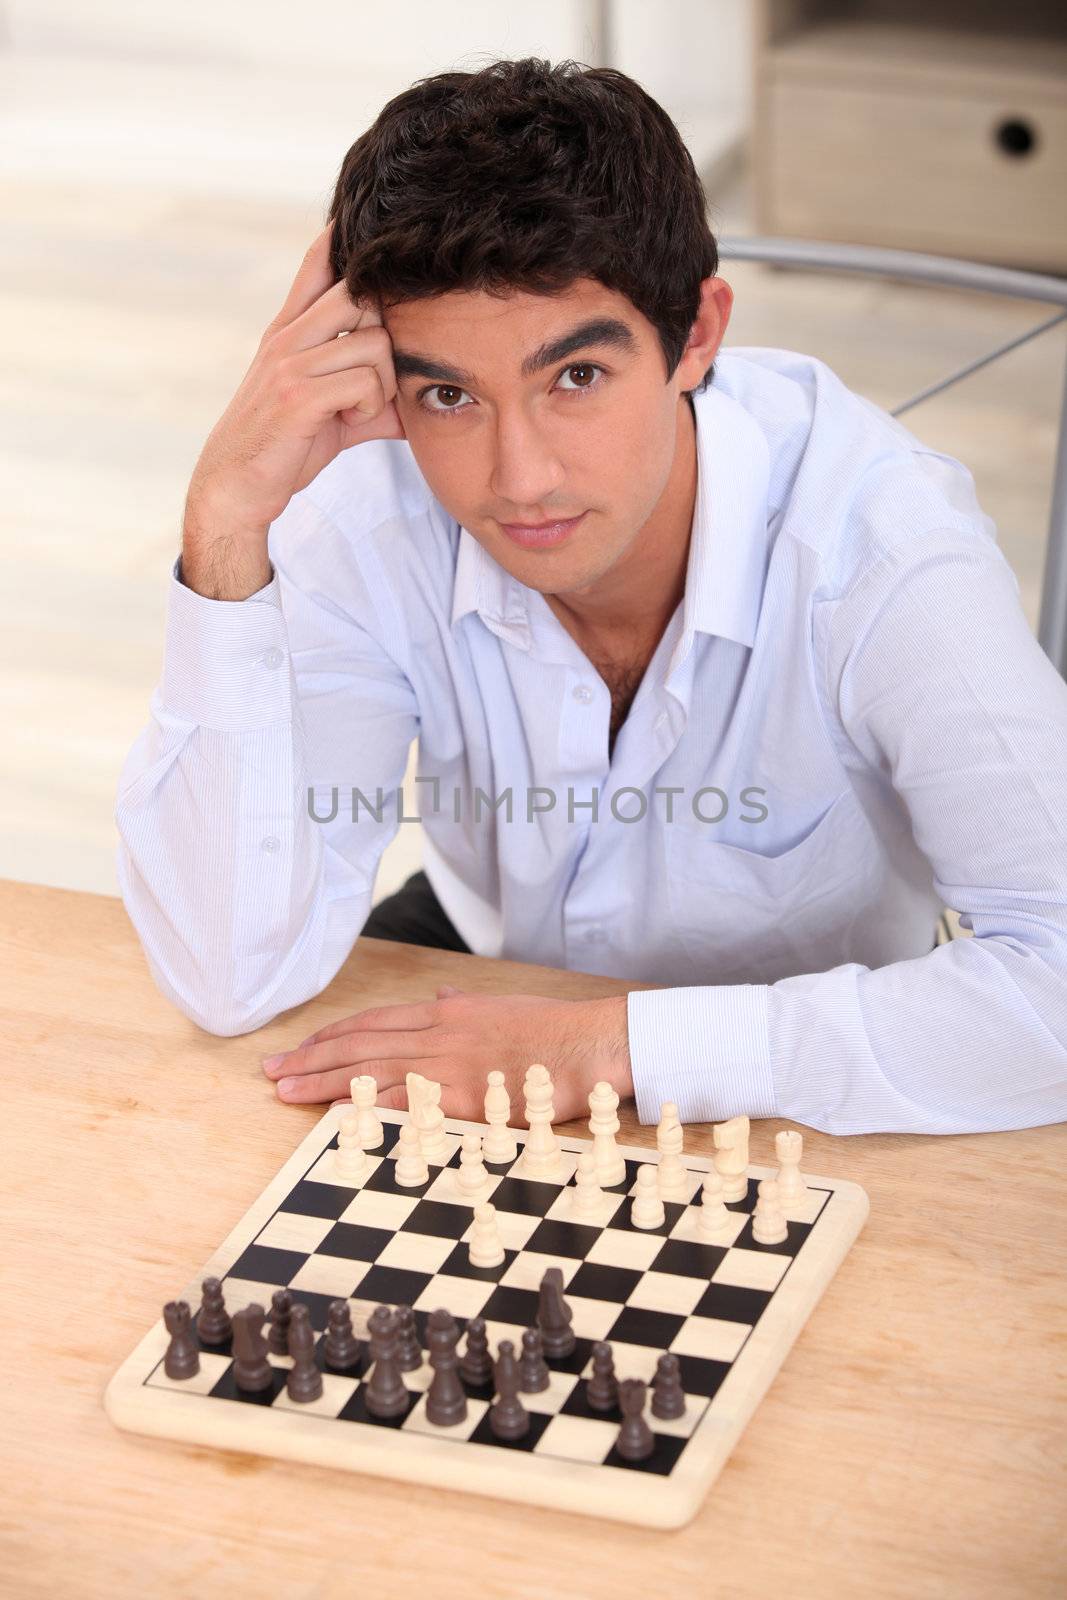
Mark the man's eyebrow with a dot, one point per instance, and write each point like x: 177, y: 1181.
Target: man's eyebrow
x: 594, y: 331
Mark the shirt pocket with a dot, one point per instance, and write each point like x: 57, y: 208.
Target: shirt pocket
x: 744, y: 916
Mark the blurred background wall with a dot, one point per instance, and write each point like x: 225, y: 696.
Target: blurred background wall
x: 162, y: 170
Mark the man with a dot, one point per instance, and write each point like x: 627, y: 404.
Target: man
x: 719, y: 678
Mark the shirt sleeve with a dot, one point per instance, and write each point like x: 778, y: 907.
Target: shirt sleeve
x: 254, y: 807
x: 936, y: 680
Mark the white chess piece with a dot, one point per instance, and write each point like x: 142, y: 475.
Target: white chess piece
x: 411, y: 1169
x: 673, y: 1178
x: 768, y: 1222
x: 364, y: 1092
x: 731, y: 1157
x: 433, y: 1141
x: 587, y: 1195
x: 472, y: 1179
x: 647, y: 1209
x: 714, y: 1221
x: 541, y: 1157
x: 350, y: 1159
x: 604, y: 1125
x: 500, y: 1145
x: 486, y: 1248
x: 789, y: 1147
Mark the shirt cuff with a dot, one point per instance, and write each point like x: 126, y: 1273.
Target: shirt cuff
x: 706, y: 1048
x: 226, y: 662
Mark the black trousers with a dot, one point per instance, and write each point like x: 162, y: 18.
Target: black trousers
x: 414, y: 915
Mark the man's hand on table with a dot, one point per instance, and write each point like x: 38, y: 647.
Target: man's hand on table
x: 458, y: 1039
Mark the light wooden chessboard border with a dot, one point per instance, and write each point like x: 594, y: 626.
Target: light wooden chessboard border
x: 647, y: 1499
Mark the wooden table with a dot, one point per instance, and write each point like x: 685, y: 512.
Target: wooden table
x: 913, y: 1443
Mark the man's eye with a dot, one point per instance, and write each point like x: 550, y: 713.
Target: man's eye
x: 586, y: 367
x: 447, y: 392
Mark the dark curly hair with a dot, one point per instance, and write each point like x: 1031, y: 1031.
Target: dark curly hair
x: 527, y: 176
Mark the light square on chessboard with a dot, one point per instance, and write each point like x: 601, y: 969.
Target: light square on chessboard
x: 241, y: 1292
x: 667, y: 1291
x: 419, y: 1422
x: 445, y: 1189
x: 694, y: 1182
x: 592, y: 1318
x: 464, y: 1297
x: 710, y: 1338
x: 751, y: 1269
x: 568, y: 1166
x: 679, y: 1427
x: 562, y: 1208
x: 336, y: 1393
x: 516, y: 1229
x: 631, y: 1361
x: 577, y: 1439
x: 288, y: 1231
x: 635, y: 1250
x: 453, y: 1144
x: 808, y: 1207
x: 335, y: 1276
x: 418, y: 1252
x: 325, y: 1171
x: 528, y: 1268
x: 211, y: 1369
x: 688, y: 1227
x: 374, y: 1209
x: 560, y: 1385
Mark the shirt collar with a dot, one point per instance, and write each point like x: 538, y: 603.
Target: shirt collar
x: 728, y: 545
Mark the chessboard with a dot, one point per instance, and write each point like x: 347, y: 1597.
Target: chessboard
x: 729, y: 1311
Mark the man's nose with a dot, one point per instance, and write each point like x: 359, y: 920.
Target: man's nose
x: 526, y: 471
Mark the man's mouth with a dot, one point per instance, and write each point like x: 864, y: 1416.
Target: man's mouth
x: 538, y: 535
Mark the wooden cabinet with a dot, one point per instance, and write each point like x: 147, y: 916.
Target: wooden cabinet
x: 939, y: 126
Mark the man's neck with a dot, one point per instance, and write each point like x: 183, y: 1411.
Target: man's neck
x: 640, y: 594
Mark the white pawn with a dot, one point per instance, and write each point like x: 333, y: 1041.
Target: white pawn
x: 500, y: 1145
x: 713, y: 1219
x: 350, y: 1159
x: 486, y: 1248
x: 673, y: 1178
x: 411, y: 1168
x: 541, y: 1156
x: 731, y: 1157
x: 430, y: 1122
x: 768, y: 1223
x: 364, y: 1092
x: 647, y: 1209
x: 472, y: 1179
x: 588, y: 1196
x: 788, y: 1147
x: 604, y: 1125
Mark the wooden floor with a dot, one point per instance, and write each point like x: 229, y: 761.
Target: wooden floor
x: 128, y: 319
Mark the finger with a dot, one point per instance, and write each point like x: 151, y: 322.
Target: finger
x: 386, y: 425
x: 314, y: 276
x: 315, y: 1087
x: 394, y: 1099
x: 420, y: 1014
x: 446, y: 989
x: 333, y: 313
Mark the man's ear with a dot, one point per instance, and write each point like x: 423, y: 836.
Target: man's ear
x: 706, y: 333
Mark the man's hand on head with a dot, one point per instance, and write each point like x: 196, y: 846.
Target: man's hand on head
x: 458, y: 1039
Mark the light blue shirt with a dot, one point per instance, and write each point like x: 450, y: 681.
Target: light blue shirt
x: 847, y: 724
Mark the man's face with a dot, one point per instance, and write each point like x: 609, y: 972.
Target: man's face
x: 589, y: 427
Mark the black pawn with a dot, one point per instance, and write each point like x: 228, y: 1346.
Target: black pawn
x: 533, y: 1368
x: 408, y: 1348
x: 446, y: 1398
x: 554, y: 1317
x: 182, y: 1359
x: 476, y: 1364
x: 251, y: 1369
x: 602, y: 1389
x: 636, y: 1440
x: 384, y: 1394
x: 668, y: 1396
x: 305, y: 1380
x: 508, y: 1418
x: 213, y: 1323
x: 281, y: 1304
x: 341, y: 1347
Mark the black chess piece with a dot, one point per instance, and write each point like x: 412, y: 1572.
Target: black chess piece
x: 508, y: 1418
x: 668, y: 1396
x: 281, y: 1304
x: 341, y: 1347
x: 408, y: 1348
x: 446, y: 1398
x: 602, y: 1389
x: 251, y: 1369
x: 182, y: 1359
x: 554, y: 1317
x: 213, y: 1323
x: 304, y: 1382
x: 636, y: 1441
x: 533, y: 1368
x: 384, y: 1393
x: 476, y: 1364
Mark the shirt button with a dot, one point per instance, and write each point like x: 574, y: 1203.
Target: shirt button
x: 583, y: 693
x: 594, y: 934
x: 273, y: 658
x: 271, y: 843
